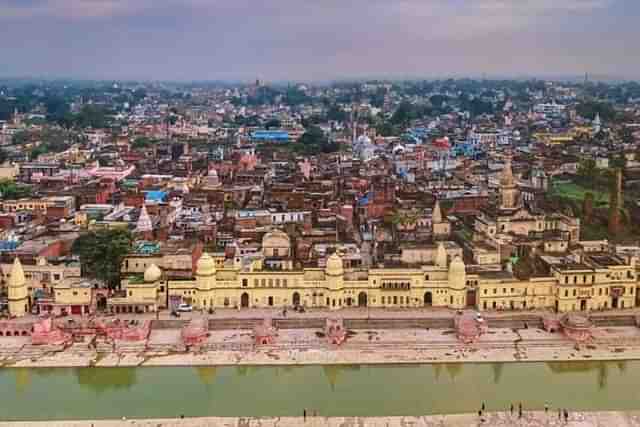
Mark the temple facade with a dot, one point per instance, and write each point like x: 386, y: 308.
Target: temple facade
x: 513, y: 218
x: 598, y: 282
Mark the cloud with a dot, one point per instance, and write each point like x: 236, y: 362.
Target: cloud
x: 110, y: 8
x: 313, y: 38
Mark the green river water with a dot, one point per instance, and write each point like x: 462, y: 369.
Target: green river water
x: 382, y: 390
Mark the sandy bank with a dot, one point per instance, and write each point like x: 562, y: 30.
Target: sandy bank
x: 530, y: 419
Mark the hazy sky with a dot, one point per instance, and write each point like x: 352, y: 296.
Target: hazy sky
x: 320, y: 39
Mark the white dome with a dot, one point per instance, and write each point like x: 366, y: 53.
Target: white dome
x: 363, y: 139
x: 152, y: 274
x: 334, y: 265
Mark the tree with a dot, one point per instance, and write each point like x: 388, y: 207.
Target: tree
x: 141, y: 142
x: 337, y: 114
x: 9, y: 190
x: 101, y: 253
x: 273, y: 123
x: 589, y: 110
x: 314, y: 141
x: 588, y: 171
x: 385, y: 129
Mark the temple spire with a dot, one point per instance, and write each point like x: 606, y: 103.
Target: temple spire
x: 437, y: 213
x: 17, y: 290
x: 441, y: 256
x: 144, y: 221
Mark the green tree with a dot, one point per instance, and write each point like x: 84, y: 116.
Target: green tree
x: 337, y: 114
x: 589, y: 110
x: 314, y: 141
x: 141, y: 142
x: 588, y: 172
x: 385, y: 129
x: 273, y: 123
x: 9, y: 190
x: 101, y: 253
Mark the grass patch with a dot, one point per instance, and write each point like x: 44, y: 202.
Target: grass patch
x: 577, y: 192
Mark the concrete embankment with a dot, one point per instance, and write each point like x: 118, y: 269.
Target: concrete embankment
x: 529, y: 419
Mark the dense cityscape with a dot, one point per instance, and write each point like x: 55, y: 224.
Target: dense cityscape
x: 338, y: 223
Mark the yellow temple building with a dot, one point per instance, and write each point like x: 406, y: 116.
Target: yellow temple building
x: 598, y: 282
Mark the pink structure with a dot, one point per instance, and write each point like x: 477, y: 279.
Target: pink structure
x: 195, y: 332
x: 577, y: 327
x: 117, y: 174
x: 469, y: 327
x: 574, y: 326
x: 265, y: 333
x: 335, y: 331
x: 45, y: 332
x: 15, y: 329
x: 551, y: 323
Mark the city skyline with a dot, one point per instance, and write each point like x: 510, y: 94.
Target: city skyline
x: 287, y: 40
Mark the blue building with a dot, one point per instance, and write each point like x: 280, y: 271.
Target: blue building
x: 270, y: 136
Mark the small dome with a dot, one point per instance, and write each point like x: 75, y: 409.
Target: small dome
x: 334, y: 265
x: 363, y: 140
x: 205, y: 266
x: 152, y: 274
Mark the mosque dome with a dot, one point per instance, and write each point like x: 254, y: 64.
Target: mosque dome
x: 334, y: 265
x: 152, y: 274
x: 363, y: 140
x: 205, y: 266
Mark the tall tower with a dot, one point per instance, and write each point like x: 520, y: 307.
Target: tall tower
x: 18, y: 297
x: 508, y: 189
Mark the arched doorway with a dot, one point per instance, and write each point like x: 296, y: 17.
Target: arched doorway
x: 362, y: 299
x: 101, y: 302
x: 296, y: 299
x: 428, y: 299
x: 244, y: 300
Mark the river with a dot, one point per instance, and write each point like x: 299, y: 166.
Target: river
x: 367, y: 390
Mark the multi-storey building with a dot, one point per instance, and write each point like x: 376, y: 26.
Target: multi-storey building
x: 597, y: 282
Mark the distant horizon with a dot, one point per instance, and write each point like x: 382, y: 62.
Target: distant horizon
x: 301, y: 40
x: 564, y: 78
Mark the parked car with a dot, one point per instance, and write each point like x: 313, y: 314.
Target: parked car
x: 185, y: 308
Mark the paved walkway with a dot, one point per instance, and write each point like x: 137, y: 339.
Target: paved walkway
x: 596, y: 419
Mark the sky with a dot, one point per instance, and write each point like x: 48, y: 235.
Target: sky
x: 304, y: 40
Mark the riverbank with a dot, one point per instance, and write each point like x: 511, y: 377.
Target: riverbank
x: 305, y: 347
x: 529, y: 419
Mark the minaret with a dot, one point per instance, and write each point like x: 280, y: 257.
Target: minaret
x: 508, y: 188
x: 18, y: 297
